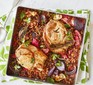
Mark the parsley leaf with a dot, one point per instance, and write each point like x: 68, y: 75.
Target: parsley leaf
x: 32, y: 60
x: 50, y: 80
x: 27, y: 20
x: 67, y: 26
x: 69, y: 35
x: 16, y: 67
x: 59, y: 63
x: 22, y: 15
x: 27, y: 43
x: 55, y: 56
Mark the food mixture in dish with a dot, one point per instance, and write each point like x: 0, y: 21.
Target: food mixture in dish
x: 46, y: 46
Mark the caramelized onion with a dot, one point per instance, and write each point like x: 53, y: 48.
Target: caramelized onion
x: 51, y: 71
x: 77, y: 23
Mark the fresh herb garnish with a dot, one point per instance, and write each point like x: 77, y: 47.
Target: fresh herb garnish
x: 22, y: 40
x: 56, y: 30
x: 32, y: 60
x: 22, y: 15
x: 69, y: 35
x: 27, y: 43
x: 67, y: 26
x: 55, y: 56
x: 27, y: 20
x: 58, y: 63
x: 50, y: 80
x: 16, y: 67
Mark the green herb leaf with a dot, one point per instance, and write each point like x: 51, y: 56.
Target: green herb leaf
x: 55, y: 56
x: 50, y: 80
x: 7, y: 28
x: 59, y: 63
x: 86, y: 36
x: 22, y: 15
x: 32, y: 60
x: 23, y: 40
x: 17, y: 67
x: 67, y: 26
x: 83, y: 81
x: 27, y: 20
x: 69, y: 35
x: 27, y: 43
x: 9, y: 35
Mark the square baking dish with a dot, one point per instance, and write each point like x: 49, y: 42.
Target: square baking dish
x: 46, y: 46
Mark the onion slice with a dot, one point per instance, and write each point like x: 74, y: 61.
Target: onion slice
x: 62, y: 67
x: 51, y: 71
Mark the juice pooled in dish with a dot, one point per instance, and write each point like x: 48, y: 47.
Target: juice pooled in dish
x: 46, y: 46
